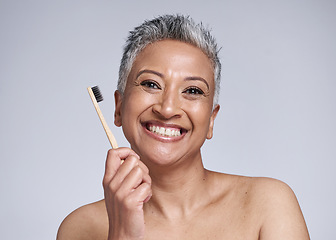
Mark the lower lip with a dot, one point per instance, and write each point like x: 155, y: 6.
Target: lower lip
x: 163, y: 138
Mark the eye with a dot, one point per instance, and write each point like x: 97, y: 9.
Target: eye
x: 194, y: 91
x: 150, y: 84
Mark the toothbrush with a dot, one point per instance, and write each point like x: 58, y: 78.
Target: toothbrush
x: 97, y: 97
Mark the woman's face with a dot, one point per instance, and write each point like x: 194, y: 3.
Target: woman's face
x: 166, y: 109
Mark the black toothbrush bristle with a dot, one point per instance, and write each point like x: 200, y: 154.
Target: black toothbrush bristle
x: 97, y: 93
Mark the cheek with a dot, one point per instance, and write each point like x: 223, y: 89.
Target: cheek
x: 135, y: 103
x: 129, y: 116
x: 200, y: 114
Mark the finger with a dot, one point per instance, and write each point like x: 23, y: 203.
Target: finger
x: 143, y: 166
x: 113, y: 160
x: 130, y: 163
x: 141, y: 194
x: 133, y: 180
x: 137, y: 198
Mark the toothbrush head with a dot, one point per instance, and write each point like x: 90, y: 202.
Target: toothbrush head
x: 97, y: 93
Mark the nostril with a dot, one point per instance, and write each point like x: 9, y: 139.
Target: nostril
x: 167, y: 109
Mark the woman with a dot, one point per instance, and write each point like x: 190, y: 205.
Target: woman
x: 166, y: 104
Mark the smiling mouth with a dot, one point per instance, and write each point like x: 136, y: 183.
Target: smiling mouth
x: 164, y: 131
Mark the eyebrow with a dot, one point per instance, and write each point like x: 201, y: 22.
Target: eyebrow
x: 149, y: 71
x: 186, y: 79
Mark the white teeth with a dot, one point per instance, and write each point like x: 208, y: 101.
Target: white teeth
x: 164, y: 132
x: 176, y: 133
x: 168, y: 132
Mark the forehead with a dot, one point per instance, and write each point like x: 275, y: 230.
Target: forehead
x: 171, y: 56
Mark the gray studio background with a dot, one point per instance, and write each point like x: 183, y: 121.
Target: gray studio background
x: 277, y: 115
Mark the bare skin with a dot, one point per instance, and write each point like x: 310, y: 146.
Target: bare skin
x: 250, y: 208
x: 162, y: 190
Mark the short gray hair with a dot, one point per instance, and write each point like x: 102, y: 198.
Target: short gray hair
x: 174, y: 27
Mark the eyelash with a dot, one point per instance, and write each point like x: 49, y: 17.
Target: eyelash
x: 194, y: 91
x: 150, y: 84
x: 154, y: 85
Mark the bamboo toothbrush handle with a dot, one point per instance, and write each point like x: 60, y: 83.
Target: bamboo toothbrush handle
x: 108, y: 132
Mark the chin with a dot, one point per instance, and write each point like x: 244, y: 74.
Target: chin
x: 160, y: 157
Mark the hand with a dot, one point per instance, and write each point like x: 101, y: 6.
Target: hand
x: 127, y: 187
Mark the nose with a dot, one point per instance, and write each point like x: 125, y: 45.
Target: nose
x: 168, y: 105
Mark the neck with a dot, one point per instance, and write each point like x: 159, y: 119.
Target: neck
x: 178, y: 190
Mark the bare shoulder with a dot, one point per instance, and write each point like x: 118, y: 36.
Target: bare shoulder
x: 271, y: 190
x: 273, y: 195
x: 263, y: 194
x: 270, y: 205
x: 279, y: 209
x: 262, y: 188
x: 87, y: 222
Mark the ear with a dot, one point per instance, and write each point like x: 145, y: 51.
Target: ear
x: 212, y: 121
x: 117, y: 111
